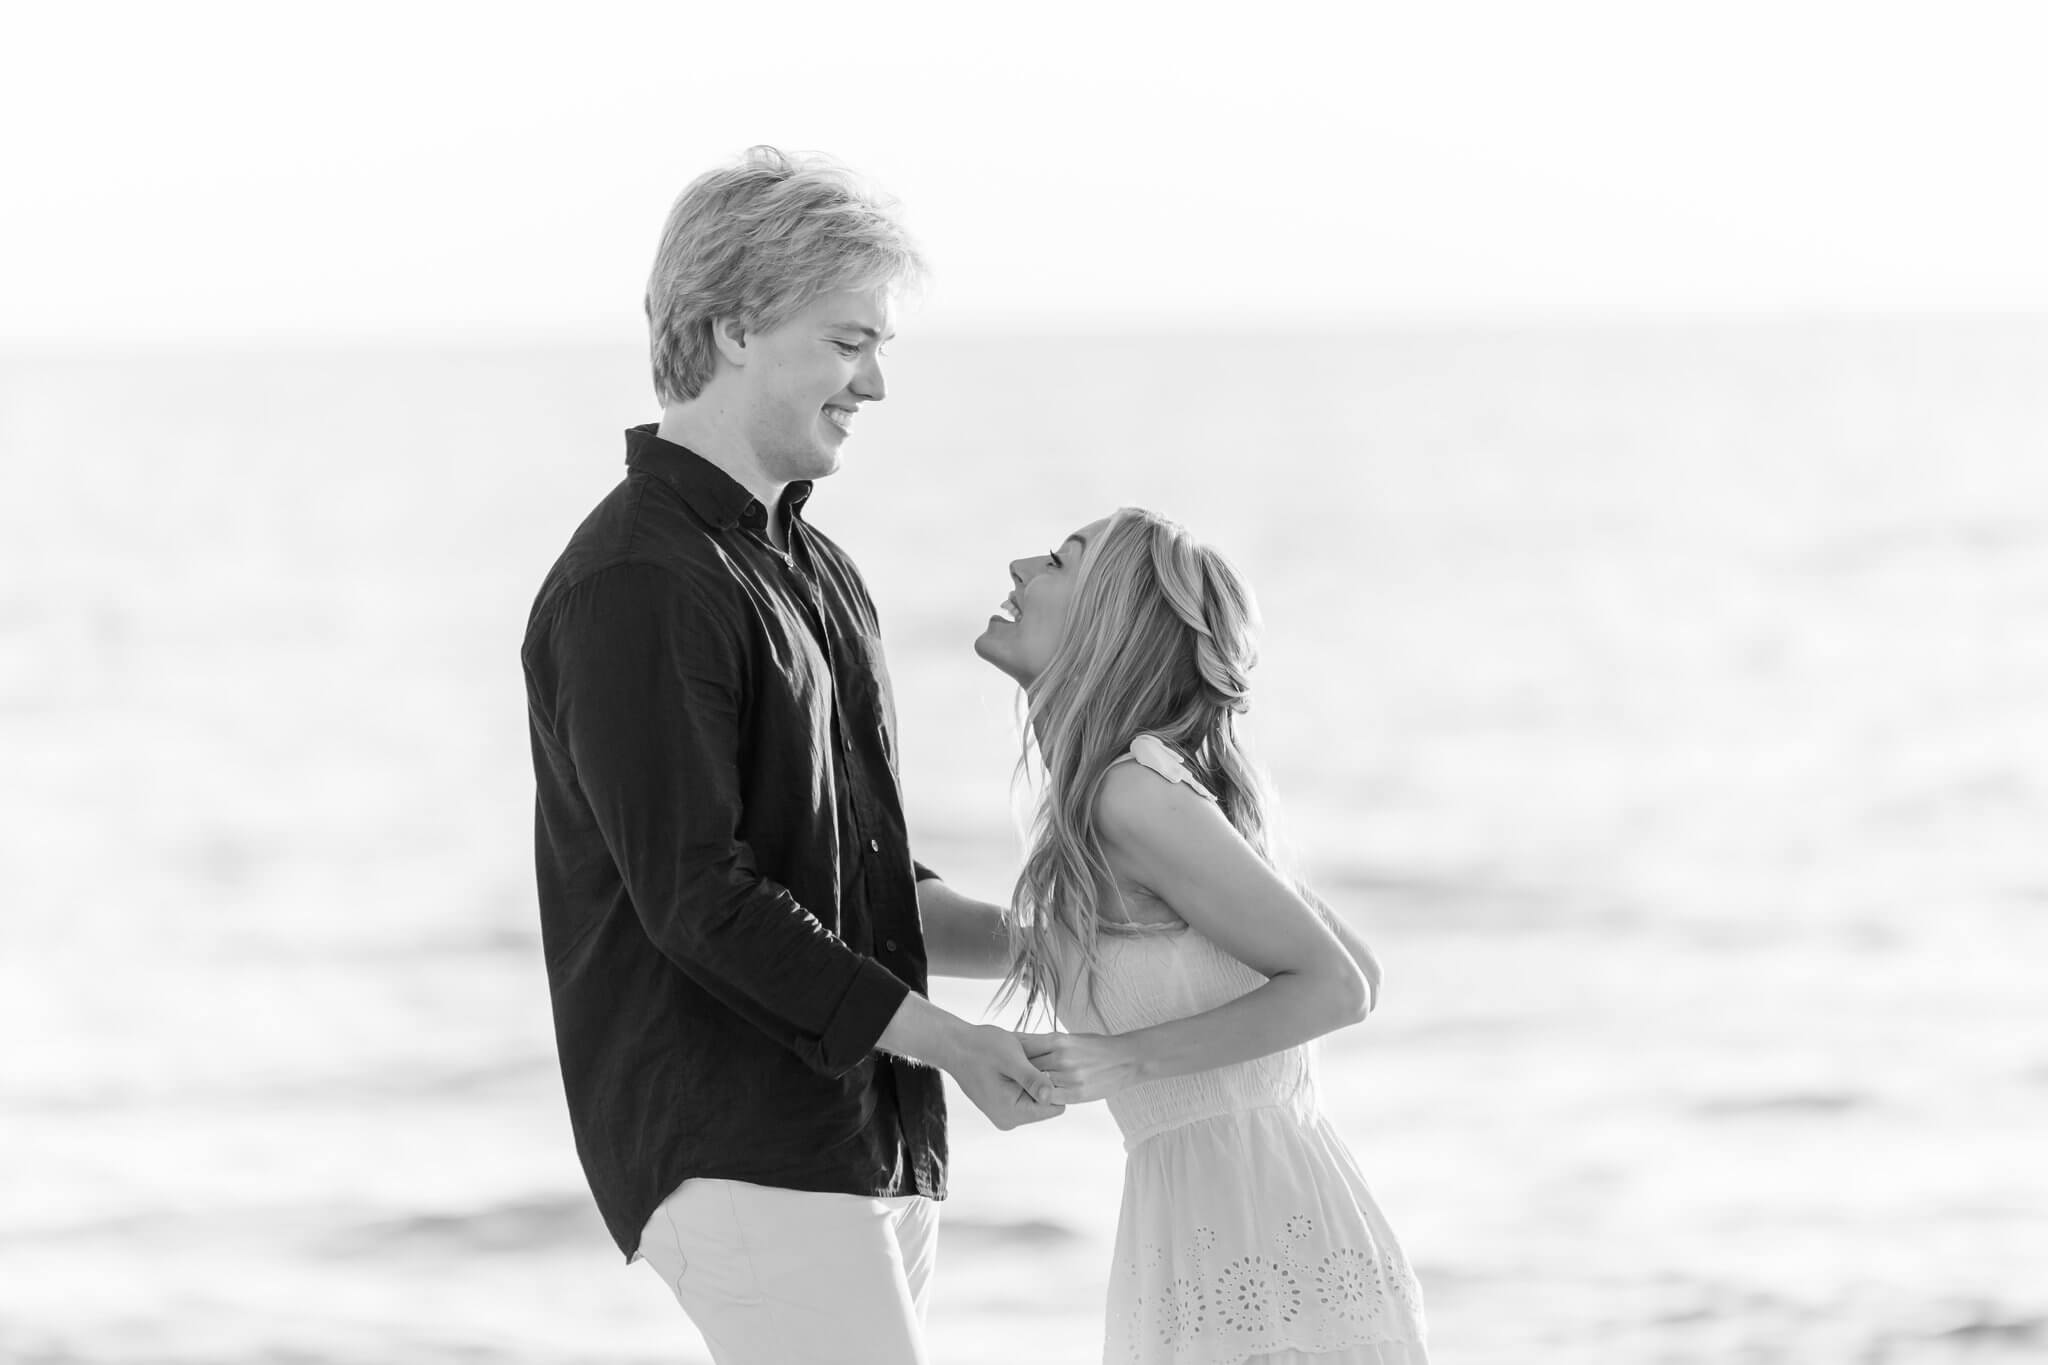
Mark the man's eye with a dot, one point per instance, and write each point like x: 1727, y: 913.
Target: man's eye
x: 846, y: 348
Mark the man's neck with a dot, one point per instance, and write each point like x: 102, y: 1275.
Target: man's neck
x: 708, y: 428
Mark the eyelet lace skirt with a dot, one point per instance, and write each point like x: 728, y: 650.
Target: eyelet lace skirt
x: 1251, y: 1235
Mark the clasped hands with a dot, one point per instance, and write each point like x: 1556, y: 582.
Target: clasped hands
x: 1082, y: 1066
x: 1020, y: 1078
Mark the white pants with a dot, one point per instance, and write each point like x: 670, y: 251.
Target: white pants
x: 788, y: 1277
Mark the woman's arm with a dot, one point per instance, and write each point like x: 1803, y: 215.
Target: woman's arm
x: 1361, y: 952
x: 1163, y: 837
x: 962, y: 936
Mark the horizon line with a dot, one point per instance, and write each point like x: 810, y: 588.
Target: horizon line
x: 1082, y: 326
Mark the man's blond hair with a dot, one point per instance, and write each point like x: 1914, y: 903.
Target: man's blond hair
x: 757, y: 241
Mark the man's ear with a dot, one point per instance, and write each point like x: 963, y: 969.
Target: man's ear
x: 729, y: 335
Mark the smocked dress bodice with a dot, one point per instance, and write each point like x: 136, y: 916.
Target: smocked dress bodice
x: 1156, y: 975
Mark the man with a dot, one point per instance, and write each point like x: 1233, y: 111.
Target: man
x: 729, y: 909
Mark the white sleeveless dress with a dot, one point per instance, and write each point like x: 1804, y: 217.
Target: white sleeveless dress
x: 1247, y: 1231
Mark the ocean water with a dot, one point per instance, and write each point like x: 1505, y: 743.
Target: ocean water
x: 1666, y: 704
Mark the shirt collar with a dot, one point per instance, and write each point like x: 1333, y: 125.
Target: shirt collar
x: 711, y: 493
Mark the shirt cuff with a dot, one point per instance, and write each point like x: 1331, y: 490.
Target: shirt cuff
x: 871, y: 1001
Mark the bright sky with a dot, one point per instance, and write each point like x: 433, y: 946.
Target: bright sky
x: 229, y: 170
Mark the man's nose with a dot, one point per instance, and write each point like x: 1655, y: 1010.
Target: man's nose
x: 867, y: 384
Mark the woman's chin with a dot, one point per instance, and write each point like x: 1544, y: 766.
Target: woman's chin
x: 989, y: 645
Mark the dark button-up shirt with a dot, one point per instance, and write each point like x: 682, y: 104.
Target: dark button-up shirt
x: 728, y: 903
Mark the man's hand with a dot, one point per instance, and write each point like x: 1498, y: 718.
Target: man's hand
x: 987, y: 1062
x: 994, y: 1072
x: 1083, y: 1066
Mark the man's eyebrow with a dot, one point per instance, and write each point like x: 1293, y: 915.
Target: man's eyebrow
x: 862, y: 328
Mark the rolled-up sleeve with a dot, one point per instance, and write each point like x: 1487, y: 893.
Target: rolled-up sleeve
x: 650, y: 679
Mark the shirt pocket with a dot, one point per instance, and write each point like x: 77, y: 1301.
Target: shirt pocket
x: 799, y: 686
x: 869, y: 699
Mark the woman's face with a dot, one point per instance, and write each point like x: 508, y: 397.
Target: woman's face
x: 1021, y: 637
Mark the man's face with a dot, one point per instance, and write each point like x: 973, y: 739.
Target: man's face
x: 805, y: 379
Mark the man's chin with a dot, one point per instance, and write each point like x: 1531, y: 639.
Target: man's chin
x: 811, y: 465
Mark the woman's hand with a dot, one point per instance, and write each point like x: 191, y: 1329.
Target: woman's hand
x: 1083, y: 1066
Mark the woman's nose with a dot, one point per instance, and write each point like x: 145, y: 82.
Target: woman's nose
x: 1020, y: 570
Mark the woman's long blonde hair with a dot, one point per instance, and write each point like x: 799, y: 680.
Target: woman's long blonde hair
x: 1160, y: 640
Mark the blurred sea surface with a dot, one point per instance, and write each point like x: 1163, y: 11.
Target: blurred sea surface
x: 1669, y: 705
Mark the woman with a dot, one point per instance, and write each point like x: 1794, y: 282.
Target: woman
x: 1192, y: 973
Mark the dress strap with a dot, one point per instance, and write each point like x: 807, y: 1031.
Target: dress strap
x: 1156, y: 754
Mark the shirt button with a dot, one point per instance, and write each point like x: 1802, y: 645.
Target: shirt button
x: 890, y: 944
x: 874, y: 845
